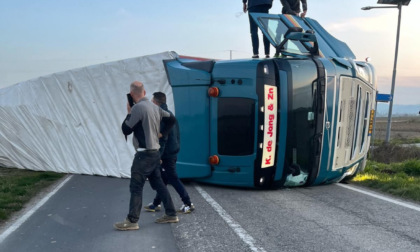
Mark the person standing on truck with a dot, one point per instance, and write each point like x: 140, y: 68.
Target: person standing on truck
x: 144, y: 120
x: 293, y: 7
x: 169, y: 148
x: 257, y: 6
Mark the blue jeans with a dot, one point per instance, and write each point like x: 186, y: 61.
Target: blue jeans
x: 169, y: 176
x: 254, y: 29
x: 146, y: 165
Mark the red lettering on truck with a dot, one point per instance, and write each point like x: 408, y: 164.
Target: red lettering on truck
x: 270, y: 94
x: 269, y: 144
x: 270, y: 125
x: 268, y: 160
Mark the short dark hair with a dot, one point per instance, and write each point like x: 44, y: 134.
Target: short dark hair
x: 159, y: 97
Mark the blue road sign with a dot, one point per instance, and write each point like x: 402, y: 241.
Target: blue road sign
x: 383, y: 97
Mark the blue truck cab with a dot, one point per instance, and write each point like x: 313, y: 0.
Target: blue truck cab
x: 303, y: 118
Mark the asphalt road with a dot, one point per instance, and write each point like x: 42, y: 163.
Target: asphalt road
x: 80, y: 215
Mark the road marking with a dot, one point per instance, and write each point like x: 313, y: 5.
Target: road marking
x: 28, y: 214
x: 230, y: 221
x: 381, y: 197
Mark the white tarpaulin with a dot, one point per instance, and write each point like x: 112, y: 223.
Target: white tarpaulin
x: 70, y: 121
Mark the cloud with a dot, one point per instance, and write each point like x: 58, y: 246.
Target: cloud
x: 375, y: 36
x: 406, y: 90
x: 381, y: 23
x: 406, y: 81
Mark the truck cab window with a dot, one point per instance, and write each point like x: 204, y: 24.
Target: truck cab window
x: 235, y: 126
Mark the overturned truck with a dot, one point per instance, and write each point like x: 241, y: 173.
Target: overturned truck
x: 303, y: 118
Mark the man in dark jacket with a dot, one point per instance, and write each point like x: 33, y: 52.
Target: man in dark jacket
x: 169, y: 148
x: 293, y: 7
x: 257, y: 6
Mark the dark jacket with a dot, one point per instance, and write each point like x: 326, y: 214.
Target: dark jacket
x: 293, y: 6
x: 252, y: 3
x: 170, y: 145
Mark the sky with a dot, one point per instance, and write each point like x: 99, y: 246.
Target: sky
x: 47, y: 36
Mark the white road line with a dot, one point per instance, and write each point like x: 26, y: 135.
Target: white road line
x: 230, y: 221
x: 28, y: 214
x: 381, y: 197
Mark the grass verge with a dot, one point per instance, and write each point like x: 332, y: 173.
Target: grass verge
x: 18, y: 186
x: 393, y: 153
x: 416, y: 140
x: 400, y: 179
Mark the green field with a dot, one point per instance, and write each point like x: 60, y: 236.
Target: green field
x: 394, y: 168
x: 399, y: 179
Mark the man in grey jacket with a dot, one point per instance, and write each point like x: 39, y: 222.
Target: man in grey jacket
x: 257, y: 6
x: 143, y: 120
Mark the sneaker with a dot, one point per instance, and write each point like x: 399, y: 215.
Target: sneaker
x: 152, y: 208
x: 167, y: 219
x: 267, y: 56
x: 255, y: 56
x: 126, y: 225
x: 186, y: 209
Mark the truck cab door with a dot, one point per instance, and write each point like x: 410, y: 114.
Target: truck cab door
x: 232, y: 136
x: 190, y: 81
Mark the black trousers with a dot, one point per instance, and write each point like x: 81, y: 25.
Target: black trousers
x: 147, y: 165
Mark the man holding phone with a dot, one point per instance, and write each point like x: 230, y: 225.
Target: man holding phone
x: 143, y: 120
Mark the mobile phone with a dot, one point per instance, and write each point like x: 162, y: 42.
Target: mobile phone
x: 130, y: 100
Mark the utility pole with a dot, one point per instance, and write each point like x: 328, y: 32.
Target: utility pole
x: 394, y: 4
x: 394, y: 74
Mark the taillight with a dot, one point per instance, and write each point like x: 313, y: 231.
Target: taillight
x: 214, y: 160
x: 213, y: 92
